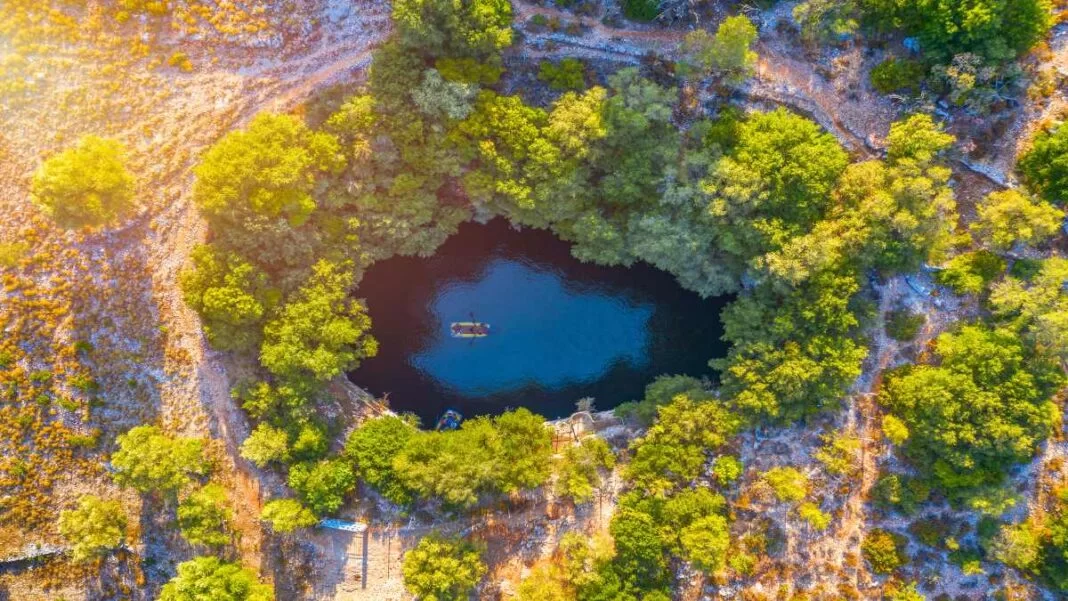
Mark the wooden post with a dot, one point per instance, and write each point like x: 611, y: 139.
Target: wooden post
x: 363, y: 580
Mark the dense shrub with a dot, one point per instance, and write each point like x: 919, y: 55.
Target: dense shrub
x: 1045, y: 165
x: 997, y: 30
x: 149, y: 460
x: 903, y: 325
x: 884, y: 551
x: 442, y: 569
x: 477, y: 28
x: 85, y: 185
x: 983, y: 407
x: 568, y: 74
x: 373, y: 446
x: 728, y: 54
x: 641, y: 10
x: 323, y: 485
x: 675, y: 450
x: 726, y: 469
x: 212, y: 578
x: 811, y: 514
x: 581, y: 469
x: 900, y: 492
x: 1037, y: 309
x: 502, y: 454
x: 95, y: 527
x: 788, y: 483
x: 205, y: 516
x: 894, y: 74
x: 971, y: 272
x: 287, y: 515
x: 661, y: 392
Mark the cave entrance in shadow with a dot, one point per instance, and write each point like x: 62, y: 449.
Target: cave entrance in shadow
x: 560, y: 330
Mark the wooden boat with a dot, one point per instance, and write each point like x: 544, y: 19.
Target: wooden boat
x: 469, y: 329
x: 450, y: 420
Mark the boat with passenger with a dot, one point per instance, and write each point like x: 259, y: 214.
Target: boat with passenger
x: 469, y: 329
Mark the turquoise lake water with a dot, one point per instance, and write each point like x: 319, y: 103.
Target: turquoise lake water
x: 541, y: 332
x: 560, y: 330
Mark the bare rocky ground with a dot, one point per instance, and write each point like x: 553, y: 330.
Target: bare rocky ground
x: 167, y: 117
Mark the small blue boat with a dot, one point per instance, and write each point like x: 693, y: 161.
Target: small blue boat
x: 450, y: 420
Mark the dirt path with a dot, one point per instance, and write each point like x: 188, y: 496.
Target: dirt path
x: 166, y: 118
x: 281, y: 88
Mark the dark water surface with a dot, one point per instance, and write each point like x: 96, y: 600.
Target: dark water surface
x: 560, y: 330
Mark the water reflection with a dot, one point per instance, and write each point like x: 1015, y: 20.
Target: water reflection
x: 542, y: 334
x: 560, y: 329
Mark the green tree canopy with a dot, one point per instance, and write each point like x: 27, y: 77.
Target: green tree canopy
x: 320, y: 332
x: 256, y: 187
x: 505, y: 453
x: 323, y: 485
x: 442, y: 569
x: 283, y: 403
x: 579, y: 470
x: 1018, y: 546
x: 793, y: 352
x: 524, y: 158
x: 265, y: 170
x: 891, y: 215
x: 660, y: 392
x: 287, y: 515
x: 1009, y: 217
x: 774, y: 183
x: 400, y: 165
x: 85, y: 185
x: 691, y: 524
x: 149, y: 460
x: 231, y: 295
x: 638, y: 141
x: 640, y: 565
x: 477, y: 28
x: 997, y: 30
x: 907, y: 204
x: 1037, y: 309
x: 985, y: 406
x: 205, y: 516
x: 675, y: 449
x: 95, y: 527
x: 373, y: 446
x: 203, y: 578
x: 1045, y: 165
x: 266, y: 444
x: 705, y: 543
x: 971, y: 272
x: 727, y: 54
